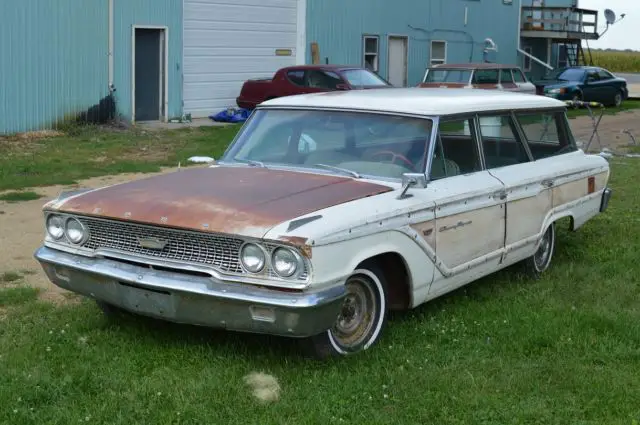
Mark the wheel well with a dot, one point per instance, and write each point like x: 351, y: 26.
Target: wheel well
x: 397, y: 276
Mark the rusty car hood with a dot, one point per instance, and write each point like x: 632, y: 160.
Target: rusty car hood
x: 246, y: 201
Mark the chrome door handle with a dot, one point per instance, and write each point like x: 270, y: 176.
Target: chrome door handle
x: 547, y: 183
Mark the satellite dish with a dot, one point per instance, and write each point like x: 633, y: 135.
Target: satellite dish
x: 610, y: 16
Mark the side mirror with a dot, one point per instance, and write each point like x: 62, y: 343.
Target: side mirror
x: 417, y: 180
x: 342, y: 87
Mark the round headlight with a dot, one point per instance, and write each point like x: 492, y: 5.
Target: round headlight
x: 55, y: 226
x: 75, y: 231
x: 252, y: 257
x: 285, y: 262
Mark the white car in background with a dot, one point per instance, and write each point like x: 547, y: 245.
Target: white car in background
x: 328, y: 210
x: 487, y: 76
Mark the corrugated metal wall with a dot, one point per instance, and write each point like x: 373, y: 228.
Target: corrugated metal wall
x: 53, y: 60
x: 338, y: 26
x: 147, y: 12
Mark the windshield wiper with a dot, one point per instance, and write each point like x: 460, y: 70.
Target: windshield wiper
x: 342, y: 170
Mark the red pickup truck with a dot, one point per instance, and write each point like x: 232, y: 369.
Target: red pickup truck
x: 307, y: 79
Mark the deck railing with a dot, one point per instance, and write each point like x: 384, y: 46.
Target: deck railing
x: 580, y: 23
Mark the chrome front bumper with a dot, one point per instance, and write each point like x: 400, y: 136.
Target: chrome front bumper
x: 195, y: 300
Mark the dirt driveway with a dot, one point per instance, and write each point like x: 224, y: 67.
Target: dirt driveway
x: 21, y: 224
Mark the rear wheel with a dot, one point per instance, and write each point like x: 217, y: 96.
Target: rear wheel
x: 361, y: 320
x: 539, y: 262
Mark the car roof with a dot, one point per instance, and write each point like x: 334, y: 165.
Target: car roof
x: 482, y: 65
x: 420, y: 101
x: 323, y: 66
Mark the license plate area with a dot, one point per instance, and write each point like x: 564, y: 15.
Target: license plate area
x: 154, y: 302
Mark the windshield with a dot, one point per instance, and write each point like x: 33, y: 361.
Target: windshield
x: 448, y: 76
x: 567, y: 75
x: 356, y: 143
x: 362, y: 77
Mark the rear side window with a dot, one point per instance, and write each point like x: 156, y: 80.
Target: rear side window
x: 296, y: 77
x: 485, y: 76
x: 546, y: 133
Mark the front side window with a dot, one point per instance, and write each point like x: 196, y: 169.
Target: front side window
x: 546, y: 133
x: 384, y: 146
x: 439, y: 75
x: 518, y: 76
x: 501, y: 144
x: 323, y: 79
x: 456, y: 151
x: 505, y: 76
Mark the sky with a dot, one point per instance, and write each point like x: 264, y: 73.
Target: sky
x: 625, y: 34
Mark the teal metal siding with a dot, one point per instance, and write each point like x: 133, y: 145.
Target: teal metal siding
x: 153, y: 13
x: 338, y: 27
x: 54, y: 61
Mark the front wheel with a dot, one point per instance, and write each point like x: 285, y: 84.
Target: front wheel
x: 361, y: 319
x: 617, y: 100
x: 539, y: 262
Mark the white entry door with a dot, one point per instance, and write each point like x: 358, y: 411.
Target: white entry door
x: 397, y: 61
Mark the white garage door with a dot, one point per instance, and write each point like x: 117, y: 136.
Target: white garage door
x: 227, y: 42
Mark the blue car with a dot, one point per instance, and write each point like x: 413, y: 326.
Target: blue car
x: 586, y: 83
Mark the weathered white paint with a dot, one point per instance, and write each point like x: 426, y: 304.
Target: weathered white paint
x: 226, y: 43
x: 457, y: 229
x: 423, y: 101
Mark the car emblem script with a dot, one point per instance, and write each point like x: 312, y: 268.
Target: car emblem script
x: 152, y: 243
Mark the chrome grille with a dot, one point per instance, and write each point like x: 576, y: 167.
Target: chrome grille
x: 220, y: 252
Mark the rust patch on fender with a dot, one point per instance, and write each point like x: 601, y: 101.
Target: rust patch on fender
x: 246, y: 201
x: 298, y: 242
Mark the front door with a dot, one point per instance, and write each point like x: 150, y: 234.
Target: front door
x: 470, y: 209
x: 398, y: 61
x: 149, y: 74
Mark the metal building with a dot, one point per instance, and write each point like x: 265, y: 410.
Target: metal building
x: 67, y: 60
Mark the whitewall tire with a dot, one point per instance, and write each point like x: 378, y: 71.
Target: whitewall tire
x: 362, y: 319
x: 540, y: 261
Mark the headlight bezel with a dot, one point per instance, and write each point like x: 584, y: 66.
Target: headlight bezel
x: 265, y: 257
x: 49, y: 218
x: 298, y: 262
x: 85, y: 231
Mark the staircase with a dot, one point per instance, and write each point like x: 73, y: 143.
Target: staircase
x: 575, y: 54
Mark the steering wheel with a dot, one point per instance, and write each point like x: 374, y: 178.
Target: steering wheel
x: 393, y: 157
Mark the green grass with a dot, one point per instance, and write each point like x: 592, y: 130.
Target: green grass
x: 92, y: 152
x: 17, y: 296
x: 20, y: 196
x: 505, y: 350
x: 627, y: 105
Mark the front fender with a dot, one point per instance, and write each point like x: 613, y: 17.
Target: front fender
x: 336, y: 261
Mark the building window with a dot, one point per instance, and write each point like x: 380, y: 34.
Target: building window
x: 438, y: 52
x: 371, y: 49
x: 527, y: 60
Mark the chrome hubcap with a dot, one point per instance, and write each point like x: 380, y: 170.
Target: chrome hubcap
x: 541, y: 257
x: 357, y: 315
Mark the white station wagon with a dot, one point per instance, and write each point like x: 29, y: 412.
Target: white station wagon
x: 328, y: 210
